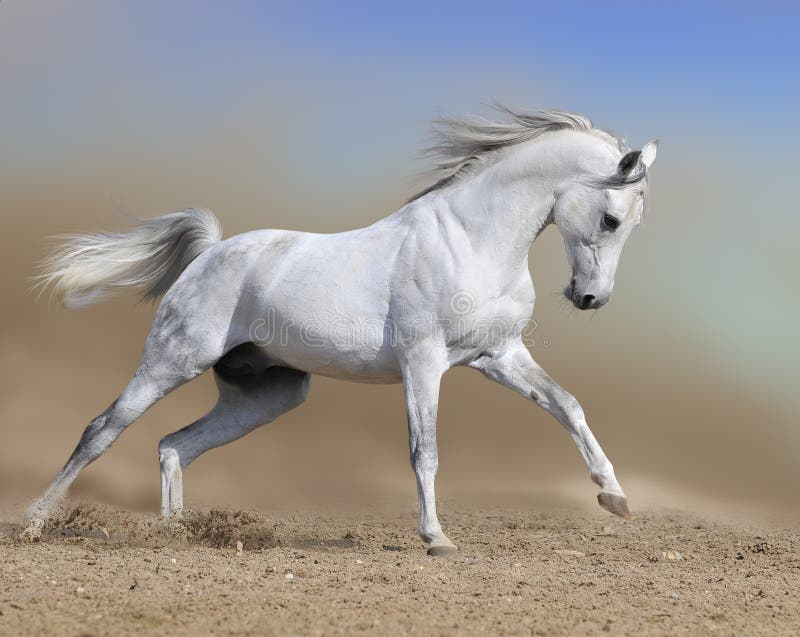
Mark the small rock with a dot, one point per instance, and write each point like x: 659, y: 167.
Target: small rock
x: 674, y: 596
x: 673, y: 556
x: 105, y: 532
x: 80, y: 590
x: 359, y: 561
x: 174, y: 561
x: 239, y: 547
x: 289, y: 576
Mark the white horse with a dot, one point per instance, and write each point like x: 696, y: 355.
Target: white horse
x: 443, y: 281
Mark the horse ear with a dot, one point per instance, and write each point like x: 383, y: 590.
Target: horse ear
x: 628, y: 162
x: 649, y: 153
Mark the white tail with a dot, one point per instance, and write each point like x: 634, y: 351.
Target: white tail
x: 84, y: 268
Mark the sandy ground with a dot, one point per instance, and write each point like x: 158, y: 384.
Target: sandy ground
x: 102, y: 571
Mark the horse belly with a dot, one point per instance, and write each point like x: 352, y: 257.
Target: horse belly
x: 327, y: 336
x: 338, y: 355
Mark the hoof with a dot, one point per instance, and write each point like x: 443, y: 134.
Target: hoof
x: 32, y: 532
x: 442, y: 550
x: 174, y: 515
x: 174, y: 525
x: 616, y: 504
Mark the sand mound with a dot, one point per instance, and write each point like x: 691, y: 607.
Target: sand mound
x: 216, y: 528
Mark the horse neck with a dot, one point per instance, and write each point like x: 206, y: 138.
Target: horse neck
x: 508, y: 204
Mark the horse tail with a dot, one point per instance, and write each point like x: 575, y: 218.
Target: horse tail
x: 85, y: 268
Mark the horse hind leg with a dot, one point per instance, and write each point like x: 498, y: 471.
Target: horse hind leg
x: 246, y: 401
x: 139, y: 395
x: 158, y: 375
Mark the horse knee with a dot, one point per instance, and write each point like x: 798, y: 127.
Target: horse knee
x: 424, y: 461
x: 570, y: 407
x: 602, y: 473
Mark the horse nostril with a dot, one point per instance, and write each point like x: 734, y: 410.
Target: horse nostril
x: 586, y: 301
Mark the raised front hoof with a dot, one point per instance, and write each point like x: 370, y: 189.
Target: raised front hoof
x: 442, y: 550
x: 616, y: 504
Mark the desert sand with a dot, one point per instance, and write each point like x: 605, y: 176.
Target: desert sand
x: 545, y: 571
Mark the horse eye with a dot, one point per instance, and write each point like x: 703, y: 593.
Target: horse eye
x: 611, y: 222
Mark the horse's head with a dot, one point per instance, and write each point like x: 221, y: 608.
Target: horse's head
x: 595, y: 218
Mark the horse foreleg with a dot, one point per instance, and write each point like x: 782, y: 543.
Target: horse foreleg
x: 514, y: 367
x: 421, y: 379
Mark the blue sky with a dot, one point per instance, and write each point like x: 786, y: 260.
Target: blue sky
x: 707, y: 51
x: 647, y: 51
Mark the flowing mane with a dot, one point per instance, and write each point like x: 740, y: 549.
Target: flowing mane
x: 462, y: 144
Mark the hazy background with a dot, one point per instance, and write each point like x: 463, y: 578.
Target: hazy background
x: 309, y: 116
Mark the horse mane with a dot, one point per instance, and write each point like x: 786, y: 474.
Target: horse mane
x: 462, y: 144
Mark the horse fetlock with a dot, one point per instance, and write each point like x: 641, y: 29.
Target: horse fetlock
x: 37, y: 516
x: 33, y: 531
x: 171, y: 483
x: 432, y: 534
x: 603, y: 476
